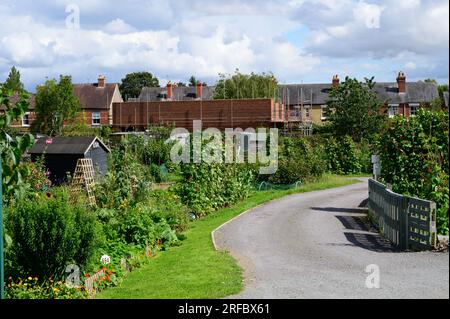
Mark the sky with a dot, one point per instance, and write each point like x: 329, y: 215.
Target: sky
x: 299, y: 41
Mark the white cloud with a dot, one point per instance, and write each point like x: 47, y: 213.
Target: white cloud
x: 118, y: 26
x: 176, y: 39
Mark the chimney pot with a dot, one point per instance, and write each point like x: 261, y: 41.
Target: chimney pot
x: 401, y: 82
x: 199, y: 90
x: 101, y: 81
x: 169, y: 90
x: 336, y: 80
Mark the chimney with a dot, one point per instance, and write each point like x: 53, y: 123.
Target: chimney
x: 169, y: 90
x: 199, y: 90
x: 401, y: 82
x: 335, y: 81
x: 101, y: 81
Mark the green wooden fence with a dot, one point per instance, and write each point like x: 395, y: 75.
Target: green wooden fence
x: 409, y: 223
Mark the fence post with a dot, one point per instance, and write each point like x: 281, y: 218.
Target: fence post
x: 403, y: 223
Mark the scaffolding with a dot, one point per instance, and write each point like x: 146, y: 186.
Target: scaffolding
x: 84, y: 180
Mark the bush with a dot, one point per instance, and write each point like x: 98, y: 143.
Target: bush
x: 414, y: 159
x: 344, y: 157
x: 48, y: 233
x: 207, y: 187
x: 298, y: 161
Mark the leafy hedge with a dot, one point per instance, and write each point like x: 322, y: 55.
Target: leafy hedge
x: 414, y: 157
x: 207, y: 187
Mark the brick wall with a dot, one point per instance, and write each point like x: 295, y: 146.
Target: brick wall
x: 213, y: 113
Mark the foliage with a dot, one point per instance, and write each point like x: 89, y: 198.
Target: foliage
x: 246, y: 86
x: 133, y: 83
x: 37, y: 180
x: 355, y: 109
x: 32, y: 288
x: 12, y: 148
x: 298, y: 161
x: 56, y: 104
x: 79, y: 128
x: 414, y: 159
x: 208, y: 187
x: 13, y: 81
x: 48, y: 233
x: 343, y: 156
x: 193, y: 81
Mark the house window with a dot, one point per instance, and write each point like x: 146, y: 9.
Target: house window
x: 96, y: 118
x: 307, y: 111
x: 413, y: 108
x: 323, y: 112
x: 26, y: 120
x: 296, y: 110
x: 393, y: 110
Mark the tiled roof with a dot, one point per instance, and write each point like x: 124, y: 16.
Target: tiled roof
x: 150, y: 94
x: 416, y: 92
x: 93, y: 97
x: 15, y: 98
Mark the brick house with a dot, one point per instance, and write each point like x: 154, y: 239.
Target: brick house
x: 23, y: 125
x: 308, y: 102
x: 96, y: 104
x: 97, y: 100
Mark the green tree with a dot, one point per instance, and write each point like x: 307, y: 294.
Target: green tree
x: 193, y: 81
x: 355, y: 109
x: 12, y: 148
x: 246, y: 86
x: 55, y: 105
x: 13, y: 81
x: 133, y: 83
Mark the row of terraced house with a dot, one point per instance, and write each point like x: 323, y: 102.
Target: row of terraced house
x: 298, y: 104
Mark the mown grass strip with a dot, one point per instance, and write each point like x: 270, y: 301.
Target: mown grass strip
x: 195, y: 269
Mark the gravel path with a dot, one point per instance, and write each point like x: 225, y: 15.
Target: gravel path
x: 317, y: 245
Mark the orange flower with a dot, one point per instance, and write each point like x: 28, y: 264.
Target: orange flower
x: 87, y: 275
x: 110, y: 272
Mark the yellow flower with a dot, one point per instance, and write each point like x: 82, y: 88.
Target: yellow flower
x: 30, y: 278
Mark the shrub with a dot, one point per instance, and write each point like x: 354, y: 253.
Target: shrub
x: 298, y: 161
x: 48, y: 233
x: 414, y: 159
x: 207, y: 187
x: 342, y: 156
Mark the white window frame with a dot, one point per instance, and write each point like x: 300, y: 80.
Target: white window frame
x: 416, y: 106
x: 27, y: 114
x: 307, y: 111
x: 96, y: 116
x: 392, y: 110
x: 296, y: 110
x: 322, y: 108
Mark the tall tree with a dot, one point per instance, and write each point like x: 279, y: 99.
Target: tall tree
x: 246, y: 86
x: 133, y: 83
x: 56, y: 104
x: 13, y: 81
x: 354, y: 109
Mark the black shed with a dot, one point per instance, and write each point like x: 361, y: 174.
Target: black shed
x: 62, y: 153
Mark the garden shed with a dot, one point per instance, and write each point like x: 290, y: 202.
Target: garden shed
x: 62, y: 153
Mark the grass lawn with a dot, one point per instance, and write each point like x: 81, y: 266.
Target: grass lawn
x: 195, y: 269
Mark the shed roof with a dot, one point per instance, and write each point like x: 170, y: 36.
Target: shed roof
x: 66, y: 145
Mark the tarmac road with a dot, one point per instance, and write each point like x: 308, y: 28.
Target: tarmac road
x: 318, y: 245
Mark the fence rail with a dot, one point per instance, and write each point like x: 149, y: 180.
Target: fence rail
x: 409, y: 223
